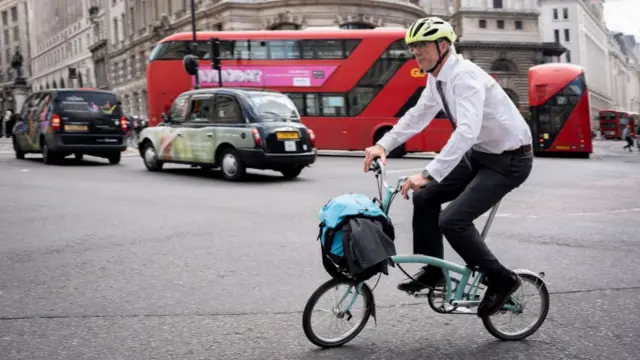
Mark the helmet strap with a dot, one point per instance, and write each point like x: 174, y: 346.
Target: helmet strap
x: 441, y: 56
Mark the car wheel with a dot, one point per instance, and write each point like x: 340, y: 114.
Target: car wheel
x: 150, y: 158
x: 16, y: 148
x: 232, y: 166
x: 292, y: 173
x: 115, y: 159
x: 47, y: 156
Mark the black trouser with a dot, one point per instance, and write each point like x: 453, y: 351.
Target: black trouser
x: 629, y: 140
x: 472, y: 192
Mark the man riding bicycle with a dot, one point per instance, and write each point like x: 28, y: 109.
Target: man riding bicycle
x: 487, y: 156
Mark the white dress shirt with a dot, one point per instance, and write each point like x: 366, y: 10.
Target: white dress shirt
x: 486, y: 118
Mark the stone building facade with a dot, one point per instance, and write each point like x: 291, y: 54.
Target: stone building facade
x: 503, y: 37
x: 60, y: 35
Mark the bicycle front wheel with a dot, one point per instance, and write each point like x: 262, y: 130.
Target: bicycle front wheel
x: 347, y: 311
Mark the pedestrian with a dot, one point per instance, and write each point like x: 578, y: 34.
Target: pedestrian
x: 626, y: 135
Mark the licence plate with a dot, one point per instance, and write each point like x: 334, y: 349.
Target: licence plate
x: 562, y: 147
x: 281, y: 135
x: 289, y: 146
x: 76, y: 128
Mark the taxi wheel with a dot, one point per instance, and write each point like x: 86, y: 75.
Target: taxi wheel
x: 232, y: 166
x: 150, y: 157
x: 115, y: 159
x: 47, y: 156
x: 292, y: 173
x: 16, y: 148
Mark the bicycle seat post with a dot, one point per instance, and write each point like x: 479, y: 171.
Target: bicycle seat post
x: 487, y: 225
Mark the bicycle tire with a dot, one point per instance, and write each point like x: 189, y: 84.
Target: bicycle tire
x: 313, y: 299
x: 544, y: 292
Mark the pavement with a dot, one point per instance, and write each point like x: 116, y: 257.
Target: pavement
x: 115, y: 262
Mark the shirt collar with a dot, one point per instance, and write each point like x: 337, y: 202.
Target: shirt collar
x: 447, y: 68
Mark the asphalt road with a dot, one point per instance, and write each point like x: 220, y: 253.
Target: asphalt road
x: 114, y: 262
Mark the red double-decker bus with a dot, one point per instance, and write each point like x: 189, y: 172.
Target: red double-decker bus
x: 350, y: 86
x: 613, y: 122
x: 559, y: 105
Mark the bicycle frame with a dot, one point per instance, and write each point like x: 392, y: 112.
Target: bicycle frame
x: 387, y: 193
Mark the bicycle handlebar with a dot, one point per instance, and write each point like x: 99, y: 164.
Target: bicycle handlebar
x: 379, y: 169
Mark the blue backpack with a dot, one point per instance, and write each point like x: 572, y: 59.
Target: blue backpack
x: 335, y: 230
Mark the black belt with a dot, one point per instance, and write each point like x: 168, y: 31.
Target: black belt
x: 522, y: 150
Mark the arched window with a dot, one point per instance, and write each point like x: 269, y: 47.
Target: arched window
x: 285, y: 26
x: 80, y: 83
x: 55, y: 85
x: 504, y: 65
x: 356, y: 25
x: 512, y: 95
x: 62, y: 83
x: 47, y: 86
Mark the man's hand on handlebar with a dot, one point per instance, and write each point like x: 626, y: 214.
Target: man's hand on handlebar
x: 413, y: 182
x: 371, y: 153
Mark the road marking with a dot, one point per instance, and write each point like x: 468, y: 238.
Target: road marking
x: 403, y: 170
x: 595, y: 213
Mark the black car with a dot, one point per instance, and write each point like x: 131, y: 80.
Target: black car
x: 231, y: 129
x: 61, y: 122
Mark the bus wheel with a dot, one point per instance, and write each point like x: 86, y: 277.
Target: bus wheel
x: 395, y: 153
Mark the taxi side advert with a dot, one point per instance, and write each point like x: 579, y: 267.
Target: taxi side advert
x: 231, y: 129
x: 61, y: 122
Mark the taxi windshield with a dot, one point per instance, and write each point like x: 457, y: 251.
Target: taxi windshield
x: 274, y: 107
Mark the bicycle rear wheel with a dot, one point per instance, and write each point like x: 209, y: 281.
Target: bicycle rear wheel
x: 519, y: 307
x: 341, y: 313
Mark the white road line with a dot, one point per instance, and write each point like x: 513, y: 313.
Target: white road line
x: 595, y: 213
x: 403, y: 170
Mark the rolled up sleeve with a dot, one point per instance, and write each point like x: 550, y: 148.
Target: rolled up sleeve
x: 412, y: 122
x: 469, y: 95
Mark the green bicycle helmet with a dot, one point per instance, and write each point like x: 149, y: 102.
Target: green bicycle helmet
x: 431, y: 29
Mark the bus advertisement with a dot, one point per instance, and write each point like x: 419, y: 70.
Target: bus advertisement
x: 559, y: 106
x: 350, y: 86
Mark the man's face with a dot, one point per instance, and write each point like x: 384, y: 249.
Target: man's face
x: 426, y: 54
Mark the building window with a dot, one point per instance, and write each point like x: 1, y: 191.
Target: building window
x: 566, y: 35
x: 284, y: 26
x: 482, y: 24
x: 568, y: 56
x: 565, y: 13
x: 518, y: 24
x: 556, y: 35
x: 356, y: 25
x: 497, y: 4
x: 500, y: 24
x: 503, y: 65
x: 555, y: 14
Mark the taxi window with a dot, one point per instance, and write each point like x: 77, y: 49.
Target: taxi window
x: 88, y: 102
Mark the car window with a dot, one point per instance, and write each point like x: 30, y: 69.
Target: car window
x: 201, y: 110
x: 88, y: 102
x: 179, y: 109
x: 274, y: 107
x: 228, y: 110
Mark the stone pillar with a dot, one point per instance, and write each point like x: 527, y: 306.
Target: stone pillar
x: 20, y: 92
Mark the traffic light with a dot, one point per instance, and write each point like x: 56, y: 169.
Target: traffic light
x: 214, y: 44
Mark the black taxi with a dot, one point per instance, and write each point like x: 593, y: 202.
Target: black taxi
x: 232, y: 129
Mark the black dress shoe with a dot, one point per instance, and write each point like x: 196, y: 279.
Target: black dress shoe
x: 498, y: 293
x: 427, y: 277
